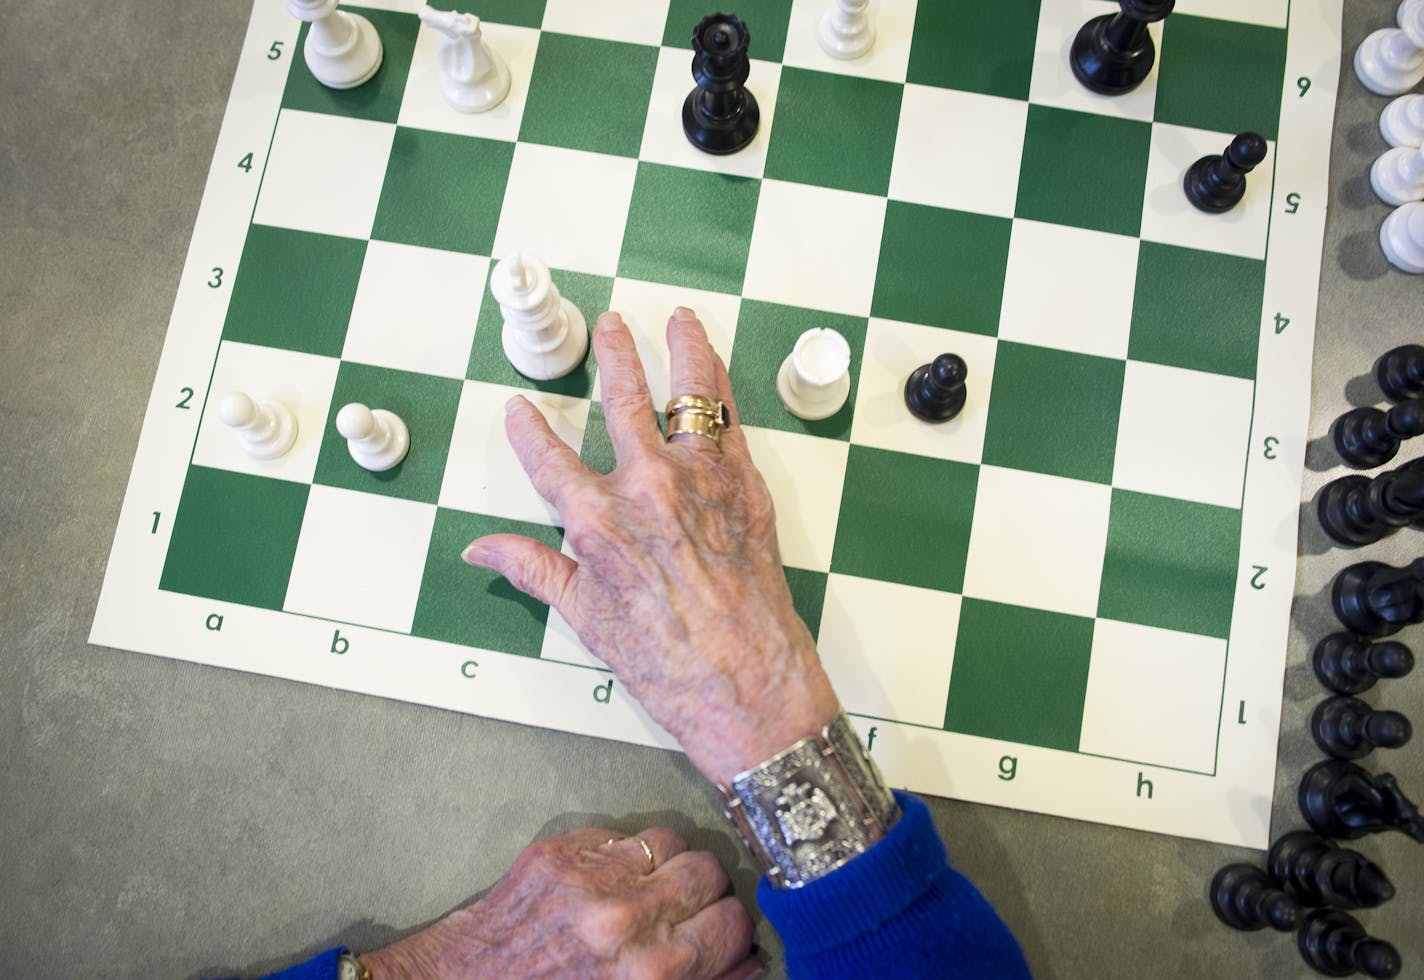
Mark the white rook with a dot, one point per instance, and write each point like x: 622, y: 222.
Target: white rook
x: 545, y: 336
x: 343, y: 49
x: 814, y: 380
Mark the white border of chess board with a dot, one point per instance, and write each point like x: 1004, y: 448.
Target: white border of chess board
x: 1231, y: 806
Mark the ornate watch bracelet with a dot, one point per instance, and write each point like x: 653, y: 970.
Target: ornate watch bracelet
x: 808, y: 810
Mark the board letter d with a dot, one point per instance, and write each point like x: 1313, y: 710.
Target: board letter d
x: 603, y: 693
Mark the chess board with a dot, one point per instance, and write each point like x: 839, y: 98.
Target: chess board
x: 1073, y: 598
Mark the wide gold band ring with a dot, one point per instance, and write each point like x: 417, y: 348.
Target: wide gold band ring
x: 697, y: 415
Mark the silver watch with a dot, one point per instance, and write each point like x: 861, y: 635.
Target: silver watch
x: 811, y: 808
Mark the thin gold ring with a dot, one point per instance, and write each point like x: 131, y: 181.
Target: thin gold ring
x: 647, y: 850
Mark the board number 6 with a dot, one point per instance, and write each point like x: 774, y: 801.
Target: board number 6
x: 1303, y: 83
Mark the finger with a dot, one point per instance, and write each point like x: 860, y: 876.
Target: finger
x: 531, y: 566
x: 689, y: 883
x: 734, y: 440
x: 551, y: 465
x: 627, y: 404
x: 721, y: 936
x: 662, y: 846
x: 693, y: 367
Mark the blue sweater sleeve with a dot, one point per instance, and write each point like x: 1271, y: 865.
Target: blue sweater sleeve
x: 898, y: 910
x: 320, y: 967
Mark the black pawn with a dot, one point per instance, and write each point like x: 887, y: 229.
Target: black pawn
x: 1367, y: 437
x: 1400, y: 372
x: 935, y: 392
x: 1217, y: 182
x: 1374, y: 599
x: 1356, y: 510
x: 1321, y: 872
x: 1245, y: 897
x: 1112, y: 54
x: 1348, y: 728
x: 1351, y: 664
x: 1341, y: 800
x: 1335, y: 944
x: 720, y: 116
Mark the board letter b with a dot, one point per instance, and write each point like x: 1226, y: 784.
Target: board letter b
x: 339, y: 643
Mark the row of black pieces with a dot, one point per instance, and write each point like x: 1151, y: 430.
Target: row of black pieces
x: 1369, y: 437
x: 1358, y: 510
x: 1373, y: 599
x: 1343, y: 726
x: 1305, y: 870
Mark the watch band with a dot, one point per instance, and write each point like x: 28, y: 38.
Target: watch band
x: 811, y: 808
x: 350, y: 967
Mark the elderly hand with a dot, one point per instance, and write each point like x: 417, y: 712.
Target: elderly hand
x: 676, y: 581
x: 588, y: 904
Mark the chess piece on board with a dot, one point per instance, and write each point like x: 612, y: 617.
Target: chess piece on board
x: 473, y: 78
x: 1217, y: 182
x: 814, y: 380
x: 1339, y: 799
x: 1335, y: 944
x: 1367, y: 437
x: 1400, y: 372
x: 1391, y: 60
x: 1402, y: 238
x: 265, y: 429
x: 1397, y: 176
x: 936, y: 392
x: 1357, y: 510
x: 343, y: 49
x: 1351, y: 664
x: 1374, y: 599
x: 377, y: 439
x: 1347, y: 728
x: 1245, y: 897
x: 846, y: 30
x: 1320, y: 872
x: 1113, y: 53
x: 545, y: 336
x: 720, y: 116
x: 1402, y: 121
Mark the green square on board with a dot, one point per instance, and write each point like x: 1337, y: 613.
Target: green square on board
x: 689, y: 228
x: 1020, y: 675
x: 590, y: 295
x: 905, y: 519
x: 425, y: 403
x: 294, y: 290
x: 443, y: 191
x: 520, y: 13
x: 808, y: 595
x: 1054, y: 412
x: 1197, y: 310
x: 474, y: 606
x: 975, y: 46
x: 1221, y: 75
x: 834, y: 131
x: 234, y: 537
x: 1084, y: 170
x: 597, y: 448
x: 589, y: 94
x: 1170, y: 563
x: 766, y: 333
x: 379, y: 98
x: 766, y: 21
x: 971, y: 252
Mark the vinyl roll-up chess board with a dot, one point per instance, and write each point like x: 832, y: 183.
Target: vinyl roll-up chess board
x: 1073, y: 598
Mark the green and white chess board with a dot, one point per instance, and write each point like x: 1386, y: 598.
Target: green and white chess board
x: 1073, y: 598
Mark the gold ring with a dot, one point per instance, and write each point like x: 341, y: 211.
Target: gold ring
x: 698, y: 405
x: 647, y: 850
x: 695, y: 423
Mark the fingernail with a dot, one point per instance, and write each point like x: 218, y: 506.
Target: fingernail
x: 471, y: 554
x: 683, y: 313
x: 610, y: 321
x: 513, y: 400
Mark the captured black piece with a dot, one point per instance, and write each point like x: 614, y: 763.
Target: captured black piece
x: 1335, y: 944
x: 1217, y: 182
x: 720, y: 116
x: 1341, y: 800
x: 1351, y: 664
x: 1348, y: 728
x: 1367, y: 437
x: 1356, y: 510
x: 1321, y: 872
x: 1113, y: 54
x: 1400, y: 372
x: 1374, y: 599
x: 935, y: 392
x: 1245, y: 897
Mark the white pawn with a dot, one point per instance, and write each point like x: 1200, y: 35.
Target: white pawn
x: 343, y: 49
x: 1398, y: 175
x: 1391, y: 60
x: 472, y: 77
x: 377, y: 439
x: 1402, y: 122
x: 1402, y: 237
x: 814, y: 380
x: 846, y: 30
x: 265, y: 429
x: 545, y: 336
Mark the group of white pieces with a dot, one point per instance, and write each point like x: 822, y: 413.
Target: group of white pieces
x: 1391, y: 62
x: 266, y: 429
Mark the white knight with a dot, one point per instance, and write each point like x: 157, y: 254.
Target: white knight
x: 472, y: 77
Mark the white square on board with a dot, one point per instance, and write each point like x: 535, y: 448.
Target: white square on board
x: 1153, y: 696
x: 1053, y: 82
x: 663, y: 138
x: 1183, y: 434
x: 424, y: 107
x: 416, y: 309
x: 301, y: 382
x: 646, y: 307
x: 1267, y: 13
x: 1040, y: 536
x: 805, y: 475
x: 561, y: 643
x: 482, y: 475
x: 875, y: 646
x: 1168, y: 217
x: 815, y: 247
x: 566, y: 207
x: 360, y: 558
x: 888, y: 60
x: 892, y: 351
x: 933, y: 163
x: 634, y: 21
x: 324, y: 174
x: 1069, y: 289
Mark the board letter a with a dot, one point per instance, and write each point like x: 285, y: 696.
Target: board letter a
x: 214, y: 622
x: 339, y: 643
x: 603, y: 693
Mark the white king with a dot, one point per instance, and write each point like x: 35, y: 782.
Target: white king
x: 545, y: 336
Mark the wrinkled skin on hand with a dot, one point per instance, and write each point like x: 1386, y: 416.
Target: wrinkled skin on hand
x: 677, y: 582
x: 586, y: 905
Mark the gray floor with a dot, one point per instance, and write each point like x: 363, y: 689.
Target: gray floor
x: 164, y: 819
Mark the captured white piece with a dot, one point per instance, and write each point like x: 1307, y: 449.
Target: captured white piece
x: 377, y: 439
x: 265, y: 429
x: 846, y: 30
x: 473, y: 78
x: 1402, y: 121
x: 343, y: 49
x: 545, y: 336
x: 1402, y: 237
x: 1391, y: 60
x: 814, y: 380
x: 1398, y: 175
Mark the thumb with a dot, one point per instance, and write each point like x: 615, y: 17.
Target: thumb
x: 531, y: 566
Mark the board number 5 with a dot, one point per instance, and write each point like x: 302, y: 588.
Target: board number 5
x: 275, y: 51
